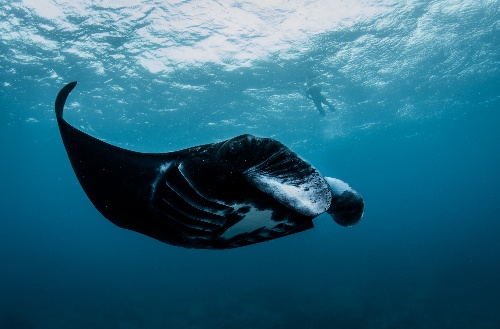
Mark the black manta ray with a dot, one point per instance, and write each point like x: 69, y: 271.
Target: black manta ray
x: 234, y: 193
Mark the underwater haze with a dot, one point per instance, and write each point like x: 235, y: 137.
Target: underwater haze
x: 416, y: 87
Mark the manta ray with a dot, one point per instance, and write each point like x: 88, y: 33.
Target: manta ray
x: 229, y: 194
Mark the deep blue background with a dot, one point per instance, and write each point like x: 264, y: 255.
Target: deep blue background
x: 425, y: 255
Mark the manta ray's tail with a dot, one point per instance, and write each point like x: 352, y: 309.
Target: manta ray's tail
x: 61, y: 98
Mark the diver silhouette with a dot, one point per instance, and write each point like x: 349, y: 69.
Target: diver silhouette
x: 314, y: 93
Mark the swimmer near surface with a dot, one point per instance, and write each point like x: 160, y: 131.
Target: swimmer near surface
x: 223, y: 195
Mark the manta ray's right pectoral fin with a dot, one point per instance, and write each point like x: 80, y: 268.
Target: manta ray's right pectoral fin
x: 280, y: 173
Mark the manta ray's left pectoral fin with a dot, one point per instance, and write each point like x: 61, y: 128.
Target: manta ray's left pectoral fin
x: 190, y: 211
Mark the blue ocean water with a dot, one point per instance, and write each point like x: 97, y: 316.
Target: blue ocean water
x: 416, y: 85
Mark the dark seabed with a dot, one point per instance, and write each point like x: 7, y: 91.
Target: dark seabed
x: 417, y: 91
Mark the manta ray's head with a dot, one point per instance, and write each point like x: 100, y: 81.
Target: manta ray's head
x: 347, y: 205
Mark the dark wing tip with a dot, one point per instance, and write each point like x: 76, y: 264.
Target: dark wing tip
x: 61, y: 98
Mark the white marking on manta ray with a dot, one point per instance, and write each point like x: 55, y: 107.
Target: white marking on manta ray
x: 161, y: 171
x: 304, y: 198
x: 253, y: 220
x: 337, y: 186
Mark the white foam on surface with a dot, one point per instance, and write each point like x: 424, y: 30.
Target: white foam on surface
x: 184, y: 33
